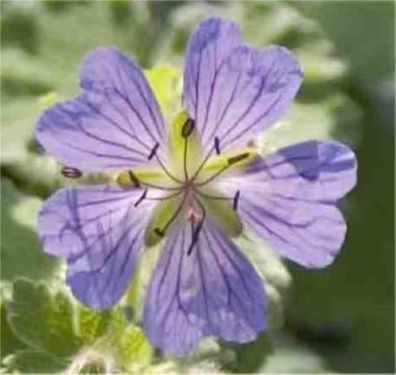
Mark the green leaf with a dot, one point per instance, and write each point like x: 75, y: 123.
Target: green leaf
x: 33, y: 362
x: 250, y: 356
x: 22, y: 254
x: 307, y: 121
x: 20, y: 75
x: 9, y: 342
x: 133, y: 349
x: 42, y: 319
x: 58, y: 332
x: 92, y: 324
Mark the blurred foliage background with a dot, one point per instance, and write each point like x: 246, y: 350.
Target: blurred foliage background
x: 338, y: 320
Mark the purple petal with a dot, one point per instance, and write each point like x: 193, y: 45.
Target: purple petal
x: 100, y: 232
x: 234, y: 91
x: 213, y: 291
x: 113, y: 124
x: 289, y: 198
x: 208, y: 48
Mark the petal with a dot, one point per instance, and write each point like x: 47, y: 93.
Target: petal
x: 100, y: 232
x: 289, y: 198
x: 209, y: 46
x: 114, y: 123
x: 214, y: 290
x: 234, y: 91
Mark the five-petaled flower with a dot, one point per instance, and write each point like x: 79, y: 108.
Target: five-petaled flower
x: 194, y: 187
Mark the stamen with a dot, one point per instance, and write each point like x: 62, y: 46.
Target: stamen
x: 134, y: 179
x: 236, y: 200
x: 204, y: 161
x: 70, y: 172
x: 217, y: 145
x: 141, y: 198
x: 217, y: 197
x: 166, y: 197
x: 237, y: 158
x: 230, y: 162
x: 167, y: 172
x: 153, y: 151
x: 188, y: 128
x: 197, y: 230
x: 211, y: 178
x: 185, y: 158
x: 129, y: 178
x: 159, y: 187
x: 161, y: 232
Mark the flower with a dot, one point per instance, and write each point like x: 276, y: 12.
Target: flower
x: 194, y: 187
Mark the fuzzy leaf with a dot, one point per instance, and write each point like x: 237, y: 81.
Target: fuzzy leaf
x: 133, y: 349
x: 93, y: 324
x: 33, y: 362
x: 9, y: 342
x: 41, y: 319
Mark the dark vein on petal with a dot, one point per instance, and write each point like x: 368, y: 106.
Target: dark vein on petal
x: 226, y: 107
x: 125, y: 97
x: 231, y: 260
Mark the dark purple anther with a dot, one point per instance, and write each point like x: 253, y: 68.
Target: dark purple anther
x: 133, y: 179
x: 236, y: 200
x: 217, y: 145
x: 188, y: 128
x: 237, y: 158
x: 159, y: 232
x: 153, y: 151
x: 141, y: 198
x: 194, y: 239
x: 70, y: 172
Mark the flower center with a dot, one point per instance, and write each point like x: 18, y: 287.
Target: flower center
x: 185, y: 185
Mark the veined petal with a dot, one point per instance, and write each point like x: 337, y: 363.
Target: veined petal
x: 115, y: 122
x: 289, y: 198
x: 208, y: 48
x: 100, y: 231
x: 213, y: 290
x: 234, y: 91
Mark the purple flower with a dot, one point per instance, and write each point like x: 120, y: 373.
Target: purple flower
x: 200, y: 187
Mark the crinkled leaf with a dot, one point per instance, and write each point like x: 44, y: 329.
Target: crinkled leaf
x: 49, y: 323
x: 9, y: 342
x: 34, y: 362
x: 133, y: 349
x: 42, y: 319
x: 92, y: 324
